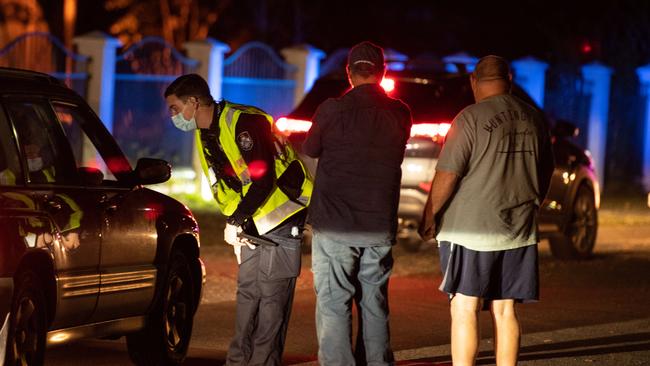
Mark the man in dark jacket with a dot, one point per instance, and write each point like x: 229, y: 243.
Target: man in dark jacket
x: 360, y: 140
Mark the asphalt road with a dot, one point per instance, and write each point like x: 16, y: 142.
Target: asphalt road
x: 593, y: 311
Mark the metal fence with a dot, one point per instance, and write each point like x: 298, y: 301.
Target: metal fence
x: 43, y: 52
x: 566, y: 98
x: 141, y: 122
x: 256, y: 75
x: 625, y: 133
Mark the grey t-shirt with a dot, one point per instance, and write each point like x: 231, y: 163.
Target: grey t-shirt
x: 500, y: 148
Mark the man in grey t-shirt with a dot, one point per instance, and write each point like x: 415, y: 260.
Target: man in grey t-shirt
x: 491, y: 177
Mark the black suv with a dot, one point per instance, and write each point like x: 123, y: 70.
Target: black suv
x: 85, y: 249
x: 568, y: 216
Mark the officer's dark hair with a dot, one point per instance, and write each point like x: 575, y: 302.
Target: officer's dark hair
x: 190, y: 85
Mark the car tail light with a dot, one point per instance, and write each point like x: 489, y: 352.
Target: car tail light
x: 388, y: 84
x: 425, y: 186
x: 432, y: 130
x: 287, y: 126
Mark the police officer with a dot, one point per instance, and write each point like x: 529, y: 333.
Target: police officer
x: 263, y: 189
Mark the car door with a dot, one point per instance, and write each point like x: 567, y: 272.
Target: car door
x: 128, y: 222
x: 54, y: 188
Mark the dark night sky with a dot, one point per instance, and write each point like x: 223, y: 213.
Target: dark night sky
x: 617, y: 31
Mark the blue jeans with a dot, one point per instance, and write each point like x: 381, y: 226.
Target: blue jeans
x: 344, y: 273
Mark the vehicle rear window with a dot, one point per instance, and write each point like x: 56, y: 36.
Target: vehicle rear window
x: 437, y: 101
x: 430, y: 101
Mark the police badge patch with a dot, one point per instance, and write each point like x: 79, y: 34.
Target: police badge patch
x: 245, y: 141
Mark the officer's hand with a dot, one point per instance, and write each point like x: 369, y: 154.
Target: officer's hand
x: 230, y: 234
x: 230, y: 237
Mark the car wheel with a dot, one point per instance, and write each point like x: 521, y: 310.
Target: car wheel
x: 411, y: 243
x: 579, y: 236
x: 166, y: 336
x: 28, y: 325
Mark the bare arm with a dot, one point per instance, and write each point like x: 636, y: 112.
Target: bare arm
x: 443, y: 186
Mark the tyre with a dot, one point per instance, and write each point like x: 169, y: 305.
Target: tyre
x: 411, y: 243
x: 166, y: 336
x: 28, y: 324
x: 407, y: 235
x: 579, y: 235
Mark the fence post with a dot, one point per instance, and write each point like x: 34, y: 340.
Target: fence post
x: 643, y: 73
x: 210, y: 54
x: 101, y: 50
x: 530, y: 73
x: 307, y: 61
x: 597, y: 83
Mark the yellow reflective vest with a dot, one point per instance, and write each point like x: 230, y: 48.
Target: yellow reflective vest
x: 278, y: 206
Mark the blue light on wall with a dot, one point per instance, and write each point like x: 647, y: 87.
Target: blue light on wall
x: 530, y: 74
x: 644, y: 76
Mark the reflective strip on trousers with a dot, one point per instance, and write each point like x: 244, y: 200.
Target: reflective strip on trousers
x: 272, y: 219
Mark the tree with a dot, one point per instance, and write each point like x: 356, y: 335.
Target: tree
x: 177, y: 21
x: 18, y: 17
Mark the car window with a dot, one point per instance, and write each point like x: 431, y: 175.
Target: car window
x: 85, y: 153
x: 45, y: 154
x: 10, y: 169
x: 430, y: 100
x: 434, y: 101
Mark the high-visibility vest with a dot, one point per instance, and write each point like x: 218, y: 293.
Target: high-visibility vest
x: 278, y: 206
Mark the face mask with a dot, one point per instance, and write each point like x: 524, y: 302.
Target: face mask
x: 35, y: 164
x: 183, y: 124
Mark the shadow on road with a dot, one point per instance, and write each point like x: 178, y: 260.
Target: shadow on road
x: 588, y: 347
x: 624, y: 343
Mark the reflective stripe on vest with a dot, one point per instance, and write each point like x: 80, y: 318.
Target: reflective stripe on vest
x: 7, y: 178
x: 277, y: 207
x: 272, y: 219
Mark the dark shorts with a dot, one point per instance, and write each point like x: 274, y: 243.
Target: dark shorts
x: 498, y: 275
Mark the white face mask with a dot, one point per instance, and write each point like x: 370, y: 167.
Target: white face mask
x: 35, y: 164
x: 184, y: 124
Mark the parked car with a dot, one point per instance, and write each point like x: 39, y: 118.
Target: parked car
x: 85, y: 249
x: 568, y: 216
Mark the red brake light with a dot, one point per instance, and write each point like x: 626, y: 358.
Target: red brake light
x: 432, y: 130
x: 425, y: 186
x: 388, y: 84
x: 288, y: 126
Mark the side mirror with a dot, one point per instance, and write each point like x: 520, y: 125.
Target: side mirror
x: 564, y: 128
x: 90, y: 176
x: 152, y: 171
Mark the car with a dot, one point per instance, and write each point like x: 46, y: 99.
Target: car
x: 85, y: 249
x: 568, y: 216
